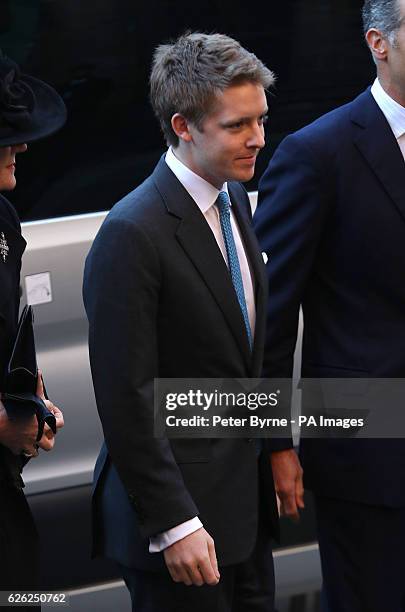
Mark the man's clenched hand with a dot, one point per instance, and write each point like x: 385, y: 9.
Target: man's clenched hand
x: 192, y: 560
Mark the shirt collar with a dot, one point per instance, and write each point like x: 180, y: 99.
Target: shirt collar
x: 203, y: 193
x: 393, y: 112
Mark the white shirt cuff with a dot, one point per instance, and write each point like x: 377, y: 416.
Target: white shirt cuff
x: 169, y: 537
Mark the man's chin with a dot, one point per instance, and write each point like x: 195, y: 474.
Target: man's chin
x: 244, y: 176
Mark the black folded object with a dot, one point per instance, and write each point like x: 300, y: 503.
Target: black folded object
x: 19, y: 392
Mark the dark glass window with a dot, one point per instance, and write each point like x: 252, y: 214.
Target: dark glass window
x: 97, y: 54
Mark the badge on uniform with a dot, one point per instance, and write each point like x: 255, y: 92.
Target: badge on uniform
x: 4, y: 248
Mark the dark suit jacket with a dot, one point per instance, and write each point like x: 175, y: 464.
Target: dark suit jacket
x: 10, y: 465
x: 161, y: 303
x: 331, y: 218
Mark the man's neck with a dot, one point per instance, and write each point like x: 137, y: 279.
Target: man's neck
x: 185, y: 159
x: 392, y: 89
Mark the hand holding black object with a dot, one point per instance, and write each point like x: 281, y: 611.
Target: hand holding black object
x: 48, y: 437
x: 20, y: 397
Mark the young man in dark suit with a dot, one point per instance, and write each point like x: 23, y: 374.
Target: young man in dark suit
x: 331, y: 218
x: 161, y: 298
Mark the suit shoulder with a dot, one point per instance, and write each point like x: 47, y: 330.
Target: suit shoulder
x: 324, y: 125
x: 137, y: 215
x: 323, y: 143
x: 139, y: 207
x: 328, y: 130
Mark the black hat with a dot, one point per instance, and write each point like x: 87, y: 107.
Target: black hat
x: 29, y: 108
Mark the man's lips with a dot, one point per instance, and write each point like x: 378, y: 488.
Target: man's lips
x: 247, y: 158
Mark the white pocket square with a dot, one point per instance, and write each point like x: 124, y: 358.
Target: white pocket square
x: 265, y: 257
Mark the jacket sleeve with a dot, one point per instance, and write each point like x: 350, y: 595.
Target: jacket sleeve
x: 121, y: 295
x: 292, y: 207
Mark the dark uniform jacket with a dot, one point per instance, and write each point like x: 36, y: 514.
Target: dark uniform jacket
x: 161, y: 303
x: 331, y: 218
x: 12, y: 246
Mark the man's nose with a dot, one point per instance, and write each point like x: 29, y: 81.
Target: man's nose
x: 257, y: 139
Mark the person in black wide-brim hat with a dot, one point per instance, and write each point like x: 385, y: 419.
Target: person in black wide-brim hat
x: 29, y: 110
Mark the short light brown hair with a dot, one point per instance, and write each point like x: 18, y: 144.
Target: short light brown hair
x: 188, y: 74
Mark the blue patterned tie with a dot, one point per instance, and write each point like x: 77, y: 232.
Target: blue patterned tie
x: 223, y: 205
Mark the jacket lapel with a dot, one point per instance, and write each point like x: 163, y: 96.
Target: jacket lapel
x: 198, y: 242
x: 378, y: 145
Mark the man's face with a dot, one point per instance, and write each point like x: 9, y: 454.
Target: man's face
x: 7, y: 165
x: 231, y: 136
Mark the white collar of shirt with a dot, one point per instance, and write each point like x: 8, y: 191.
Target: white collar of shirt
x: 393, y: 112
x: 203, y: 193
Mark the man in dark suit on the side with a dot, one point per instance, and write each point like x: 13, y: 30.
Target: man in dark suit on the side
x: 331, y: 219
x: 175, y: 287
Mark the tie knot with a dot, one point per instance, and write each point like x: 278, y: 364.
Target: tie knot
x: 223, y: 202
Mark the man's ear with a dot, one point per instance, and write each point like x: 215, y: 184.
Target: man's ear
x: 377, y: 43
x: 180, y: 127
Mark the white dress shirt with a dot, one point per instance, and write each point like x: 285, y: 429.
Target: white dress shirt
x: 204, y: 195
x: 393, y: 112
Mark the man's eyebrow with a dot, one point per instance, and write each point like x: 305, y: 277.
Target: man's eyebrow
x: 245, y: 118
